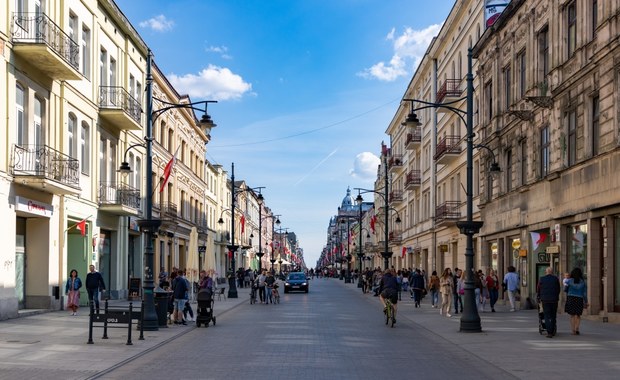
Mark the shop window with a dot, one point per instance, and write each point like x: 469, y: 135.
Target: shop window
x: 577, y: 243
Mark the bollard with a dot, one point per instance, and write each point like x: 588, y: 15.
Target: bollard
x: 90, y: 322
x: 105, y: 321
x: 141, y: 321
x: 129, y: 324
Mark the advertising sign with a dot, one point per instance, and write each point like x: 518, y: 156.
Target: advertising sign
x: 493, y: 9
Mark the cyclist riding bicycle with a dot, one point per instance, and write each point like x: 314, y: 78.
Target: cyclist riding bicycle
x: 388, y: 288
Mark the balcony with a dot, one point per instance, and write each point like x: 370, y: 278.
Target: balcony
x: 169, y: 210
x: 413, y: 180
x: 46, y: 169
x: 449, y: 91
x: 118, y: 107
x: 38, y: 40
x: 202, y: 226
x: 395, y: 162
x: 448, y: 212
x: 395, y: 196
x: 395, y: 236
x: 414, y: 139
x: 448, y: 150
x: 119, y: 199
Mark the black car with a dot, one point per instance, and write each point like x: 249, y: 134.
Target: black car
x: 296, y: 281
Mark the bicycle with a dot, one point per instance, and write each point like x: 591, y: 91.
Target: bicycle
x: 389, y: 312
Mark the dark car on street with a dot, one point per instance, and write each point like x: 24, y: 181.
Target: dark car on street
x: 296, y: 281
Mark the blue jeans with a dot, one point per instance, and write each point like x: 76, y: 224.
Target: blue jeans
x: 434, y: 297
x: 267, y: 294
x: 93, y: 295
x: 493, y: 295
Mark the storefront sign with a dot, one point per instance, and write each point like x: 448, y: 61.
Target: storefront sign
x: 33, y: 207
x: 553, y: 249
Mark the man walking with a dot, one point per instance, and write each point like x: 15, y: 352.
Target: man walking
x: 548, y: 292
x: 94, y: 284
x: 179, y: 288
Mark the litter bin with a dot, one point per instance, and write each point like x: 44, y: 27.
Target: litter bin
x: 161, y: 306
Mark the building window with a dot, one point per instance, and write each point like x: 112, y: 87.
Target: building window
x: 522, y: 71
x: 543, y: 55
x: 596, y: 133
x: 572, y: 137
x: 571, y: 18
x: 72, y: 133
x: 523, y: 162
x: 594, y: 7
x: 85, y: 147
x: 488, y: 94
x: 508, y: 170
x: 578, y: 247
x: 39, y: 137
x: 73, y: 22
x: 507, y: 87
x: 103, y: 67
x: 545, y: 146
x: 138, y: 174
x: 20, y: 115
x: 170, y: 140
x: 85, y: 53
x: 112, y: 72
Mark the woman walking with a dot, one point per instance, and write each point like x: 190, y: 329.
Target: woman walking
x: 493, y: 286
x: 577, y: 298
x: 72, y: 290
x: 433, y: 288
x: 446, y: 284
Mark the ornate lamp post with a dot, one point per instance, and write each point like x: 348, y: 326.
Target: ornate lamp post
x: 150, y: 225
x: 260, y: 234
x: 470, y: 320
x: 360, y: 253
x: 232, y: 247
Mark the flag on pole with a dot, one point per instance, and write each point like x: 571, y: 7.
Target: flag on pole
x: 168, y: 171
x: 537, y: 239
x: 373, y: 221
x: 242, y: 223
x: 404, y: 252
x: 82, y: 227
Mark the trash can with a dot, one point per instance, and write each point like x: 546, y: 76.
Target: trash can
x: 161, y: 306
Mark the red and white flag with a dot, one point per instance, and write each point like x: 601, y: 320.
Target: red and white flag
x: 373, y: 221
x: 168, y: 171
x: 404, y: 253
x: 242, y: 223
x: 82, y: 226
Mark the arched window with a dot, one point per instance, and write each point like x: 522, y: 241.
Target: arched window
x: 170, y: 141
x: 85, y: 147
x: 72, y: 134
x: 162, y: 133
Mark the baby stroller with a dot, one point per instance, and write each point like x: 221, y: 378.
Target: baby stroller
x: 204, y: 312
x: 542, y: 328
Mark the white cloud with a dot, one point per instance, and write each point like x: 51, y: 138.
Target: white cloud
x: 214, y: 82
x: 409, y: 49
x: 365, y: 166
x: 221, y: 50
x: 158, y: 23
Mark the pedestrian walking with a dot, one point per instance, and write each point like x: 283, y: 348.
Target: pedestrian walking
x: 576, y: 299
x: 511, y: 285
x: 458, y: 300
x: 548, y: 293
x: 72, y: 290
x: 261, y: 285
x: 446, y: 284
x: 180, y: 288
x: 433, y: 289
x: 493, y: 287
x: 417, y: 286
x: 94, y: 285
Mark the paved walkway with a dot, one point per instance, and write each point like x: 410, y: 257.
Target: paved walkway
x: 53, y: 345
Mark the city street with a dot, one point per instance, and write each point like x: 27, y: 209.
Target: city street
x: 333, y: 332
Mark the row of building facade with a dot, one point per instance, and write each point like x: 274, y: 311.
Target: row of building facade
x: 74, y: 76
x: 546, y: 77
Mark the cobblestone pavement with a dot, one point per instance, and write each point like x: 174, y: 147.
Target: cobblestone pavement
x: 332, y: 332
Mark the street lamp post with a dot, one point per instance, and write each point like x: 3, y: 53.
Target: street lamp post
x: 260, y: 234
x: 150, y: 225
x: 470, y: 319
x: 232, y: 247
x: 360, y: 253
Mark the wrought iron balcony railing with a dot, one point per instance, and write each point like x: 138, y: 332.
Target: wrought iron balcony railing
x: 45, y: 162
x: 451, y: 88
x: 113, y: 193
x: 38, y: 28
x: 169, y: 209
x: 114, y: 97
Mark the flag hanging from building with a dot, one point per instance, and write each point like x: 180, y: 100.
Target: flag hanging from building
x: 82, y: 226
x: 168, y: 171
x: 242, y: 223
x: 404, y: 253
x: 373, y: 221
x: 537, y: 239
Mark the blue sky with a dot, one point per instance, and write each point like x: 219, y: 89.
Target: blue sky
x: 305, y: 89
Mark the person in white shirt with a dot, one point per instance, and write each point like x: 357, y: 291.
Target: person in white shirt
x: 511, y: 285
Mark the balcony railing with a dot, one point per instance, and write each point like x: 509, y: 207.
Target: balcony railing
x: 396, y: 160
x: 414, y: 138
x: 395, y: 196
x: 413, y: 179
x: 169, y: 209
x: 45, y: 162
x: 395, y: 236
x: 113, y: 193
x: 38, y: 28
x: 448, y: 145
x: 114, y: 97
x: 448, y: 211
x: 451, y: 88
